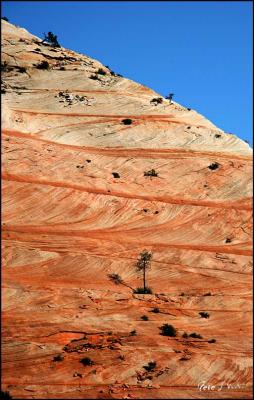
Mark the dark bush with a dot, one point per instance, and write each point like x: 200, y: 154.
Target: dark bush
x: 144, y: 318
x: 208, y: 294
x: 86, y: 361
x: 121, y: 357
x: 22, y: 69
x: 59, y: 357
x: 204, y: 314
x: 133, y: 333
x: 101, y: 71
x: 156, y: 100
x: 141, y: 290
x: 217, y: 136
x: 5, y: 19
x: 3, y: 91
x: 211, y: 341
x: 185, y: 335
x: 88, y: 161
x: 155, y: 310
x: 195, y: 335
x: 228, y: 240
x: 150, y: 366
x: 5, y: 67
x: 115, y: 175
x: 214, y: 166
x: 127, y: 121
x: 152, y: 172
x: 182, y: 294
x: 94, y: 77
x: 43, y: 65
x: 168, y: 330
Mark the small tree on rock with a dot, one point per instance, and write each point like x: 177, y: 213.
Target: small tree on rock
x: 170, y: 97
x: 143, y: 264
x: 51, y: 39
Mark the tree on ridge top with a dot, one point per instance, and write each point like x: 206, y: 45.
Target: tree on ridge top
x: 51, y: 39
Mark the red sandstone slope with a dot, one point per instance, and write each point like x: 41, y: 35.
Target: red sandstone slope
x: 68, y: 223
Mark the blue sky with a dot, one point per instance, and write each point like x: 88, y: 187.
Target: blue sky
x: 199, y: 50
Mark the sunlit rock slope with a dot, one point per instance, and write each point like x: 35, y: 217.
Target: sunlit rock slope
x: 78, y: 206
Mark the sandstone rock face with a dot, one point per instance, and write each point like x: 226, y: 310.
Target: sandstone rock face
x: 78, y: 206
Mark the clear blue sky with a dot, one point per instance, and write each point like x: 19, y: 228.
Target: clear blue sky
x: 200, y: 50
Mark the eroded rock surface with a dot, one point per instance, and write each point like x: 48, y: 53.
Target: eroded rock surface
x: 78, y: 206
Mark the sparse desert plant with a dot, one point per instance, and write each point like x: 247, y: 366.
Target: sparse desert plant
x: 133, y: 333
x: 214, y: 166
x: 185, y: 335
x: 121, y: 357
x: 101, y: 71
x: 144, y: 318
x: 150, y: 366
x: 156, y: 101
x: 58, y: 357
x: 86, y: 361
x: 168, y: 330
x: 195, y: 335
x: 212, y: 341
x: 43, y: 65
x: 94, y: 77
x: 22, y: 69
x: 143, y: 264
x: 127, y: 121
x: 208, y: 294
x: 5, y: 19
x: 151, y: 173
x: 115, y: 174
x: 155, y: 310
x: 51, y: 39
x: 5, y: 67
x: 204, y: 314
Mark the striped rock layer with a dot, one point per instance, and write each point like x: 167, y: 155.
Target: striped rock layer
x: 78, y: 206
